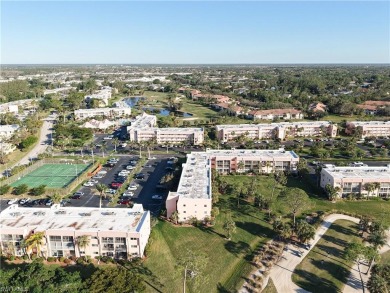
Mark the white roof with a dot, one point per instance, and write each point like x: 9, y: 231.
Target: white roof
x: 73, y: 218
x: 371, y: 123
x: 263, y: 154
x: 9, y: 127
x: 143, y: 121
x: 377, y: 173
x: 274, y: 125
x: 195, y: 180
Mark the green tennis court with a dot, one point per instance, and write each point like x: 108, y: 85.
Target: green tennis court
x: 52, y: 175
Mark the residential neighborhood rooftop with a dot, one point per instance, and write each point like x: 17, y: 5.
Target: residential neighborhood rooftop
x: 358, y: 172
x: 78, y: 218
x: 254, y: 153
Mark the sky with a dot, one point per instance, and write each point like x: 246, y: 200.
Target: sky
x: 194, y: 32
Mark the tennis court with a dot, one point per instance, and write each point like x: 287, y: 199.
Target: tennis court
x: 52, y: 175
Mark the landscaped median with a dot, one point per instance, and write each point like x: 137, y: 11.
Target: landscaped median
x: 325, y: 268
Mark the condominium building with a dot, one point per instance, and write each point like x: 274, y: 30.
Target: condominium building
x: 102, y: 95
x: 369, y: 128
x: 143, y: 128
x: 193, y: 198
x: 119, y: 233
x: 276, y: 130
x: 6, y: 131
x: 354, y: 179
x: 102, y: 112
x: 275, y: 114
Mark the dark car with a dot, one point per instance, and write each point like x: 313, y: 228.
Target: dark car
x: 139, y: 176
x: 124, y: 201
x: 76, y: 196
x: 120, y: 179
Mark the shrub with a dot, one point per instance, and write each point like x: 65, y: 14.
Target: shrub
x: 34, y: 256
x: 38, y: 190
x: 25, y: 257
x: 67, y: 260
x: 51, y: 259
x: 80, y: 261
x: 61, y: 259
x: 25, y: 143
x: 20, y: 189
x: 11, y: 258
x: 73, y: 258
x: 4, y: 189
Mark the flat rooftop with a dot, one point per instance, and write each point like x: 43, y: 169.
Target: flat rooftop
x: 379, y: 173
x: 274, y: 125
x: 195, y: 180
x: 371, y: 123
x: 73, y: 218
x: 143, y: 121
x: 177, y: 129
x: 280, y: 153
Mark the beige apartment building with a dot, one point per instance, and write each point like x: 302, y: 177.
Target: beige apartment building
x: 144, y: 128
x: 369, y: 128
x: 276, y: 130
x: 118, y: 233
x: 354, y: 179
x: 111, y: 113
x: 193, y: 198
x: 7, y: 131
x: 285, y: 114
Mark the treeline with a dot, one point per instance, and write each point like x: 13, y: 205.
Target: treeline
x: 19, y: 90
x: 71, y: 135
x: 36, y: 277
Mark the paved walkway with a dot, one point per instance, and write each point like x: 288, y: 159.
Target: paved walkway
x: 281, y: 272
x: 43, y: 143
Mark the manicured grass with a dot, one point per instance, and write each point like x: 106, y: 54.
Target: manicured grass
x: 227, y: 260
x: 339, y: 119
x: 385, y: 258
x: 270, y: 287
x: 324, y: 269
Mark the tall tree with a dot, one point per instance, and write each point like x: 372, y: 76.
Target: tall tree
x: 102, y: 189
x: 82, y: 242
x: 296, y: 200
x: 35, y: 240
x: 192, y: 264
x: 229, y: 226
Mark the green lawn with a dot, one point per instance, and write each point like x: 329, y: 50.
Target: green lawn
x: 323, y: 272
x: 270, y: 287
x: 385, y: 257
x: 228, y: 260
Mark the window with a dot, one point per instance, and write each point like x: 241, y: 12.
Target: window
x: 184, y: 212
x: 134, y: 246
x: 120, y: 239
x: 205, y: 205
x: 132, y: 238
x: 96, y: 252
x: 67, y: 238
x: 95, y: 245
x: 55, y: 238
x: 184, y: 205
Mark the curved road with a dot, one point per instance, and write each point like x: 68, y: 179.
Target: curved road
x: 281, y: 273
x: 43, y: 143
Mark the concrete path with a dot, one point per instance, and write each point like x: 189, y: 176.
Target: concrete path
x: 43, y: 143
x: 281, y: 272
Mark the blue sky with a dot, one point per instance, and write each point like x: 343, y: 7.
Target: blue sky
x: 195, y: 32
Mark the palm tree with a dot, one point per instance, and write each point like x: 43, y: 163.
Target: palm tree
x: 103, y: 148
x: 102, y: 189
x: 229, y: 226
x: 35, y: 241
x: 332, y: 192
x: 82, y: 242
x: 56, y: 198
x: 175, y: 216
x: 376, y: 186
x: 370, y: 188
x: 115, y: 142
x: 241, y: 166
x: 305, y: 231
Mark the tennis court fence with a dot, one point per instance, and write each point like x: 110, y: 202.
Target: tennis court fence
x: 42, y: 162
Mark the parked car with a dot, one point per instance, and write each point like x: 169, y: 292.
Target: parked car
x: 97, y: 176
x: 111, y: 191
x: 132, y: 187
x: 109, y: 137
x: 49, y: 202
x: 120, y: 179
x: 148, y: 166
x: 79, y: 193
x: 128, y: 193
x: 76, y: 196
x: 102, y: 172
x: 130, y: 167
x: 12, y: 201
x: 93, y: 181
x: 116, y: 185
x: 124, y: 201
x: 156, y: 196
x: 24, y: 200
x: 123, y: 145
x: 88, y: 184
x: 139, y: 176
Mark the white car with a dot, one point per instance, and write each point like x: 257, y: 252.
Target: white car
x: 130, y: 167
x: 88, y: 184
x: 132, y: 187
x: 128, y: 193
x: 123, y: 145
x: 24, y: 200
x: 109, y: 137
x: 12, y: 201
x: 111, y: 191
x: 156, y: 196
x: 102, y: 172
x: 97, y: 176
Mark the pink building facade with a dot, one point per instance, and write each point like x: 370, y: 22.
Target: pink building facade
x: 117, y: 233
